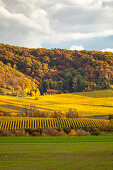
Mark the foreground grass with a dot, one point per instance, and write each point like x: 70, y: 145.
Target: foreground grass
x: 56, y: 139
x: 87, y: 103
x: 51, y: 153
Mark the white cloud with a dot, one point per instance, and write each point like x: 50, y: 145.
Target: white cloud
x: 107, y: 3
x: 40, y: 17
x: 77, y: 47
x: 38, y: 20
x: 59, y: 37
x: 1, y: 3
x: 81, y: 2
x: 107, y: 49
x: 60, y: 21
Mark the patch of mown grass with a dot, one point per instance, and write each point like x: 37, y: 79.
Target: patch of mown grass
x: 56, y: 139
x: 59, y: 155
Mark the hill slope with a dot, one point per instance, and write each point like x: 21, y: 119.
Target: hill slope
x: 87, y: 106
x: 13, y: 82
x: 60, y: 69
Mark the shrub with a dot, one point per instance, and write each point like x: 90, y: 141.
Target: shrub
x: 2, y: 91
x: 29, y: 131
x: 5, y: 133
x: 109, y: 127
x: 72, y: 133
x: 94, y: 131
x: 57, y: 115
x: 82, y: 133
x: 6, y: 114
x: 36, y: 114
x: 1, y: 113
x: 40, y: 114
x: 66, y: 130
x: 61, y: 133
x: 27, y: 134
x: 20, y: 132
x: 50, y: 131
x: 35, y: 134
x: 44, y: 114
x: 59, y: 129
x: 110, y: 117
x: 43, y: 134
x: 73, y: 114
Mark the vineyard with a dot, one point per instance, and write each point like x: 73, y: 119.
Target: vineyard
x: 93, y: 103
x: 13, y: 123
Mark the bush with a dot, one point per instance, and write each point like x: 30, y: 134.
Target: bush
x: 50, y: 131
x: 61, y: 133
x: 7, y: 114
x: 94, y: 131
x: 36, y: 114
x: 30, y: 131
x: 5, y: 133
x: 35, y: 134
x: 43, y: 134
x: 57, y: 115
x: 1, y: 113
x: 40, y: 114
x: 110, y: 117
x: 73, y: 114
x: 82, y: 133
x: 66, y: 130
x: 44, y: 114
x: 109, y: 128
x: 20, y: 132
x: 72, y: 133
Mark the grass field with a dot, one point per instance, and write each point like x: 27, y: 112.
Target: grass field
x: 86, y: 103
x: 51, y: 153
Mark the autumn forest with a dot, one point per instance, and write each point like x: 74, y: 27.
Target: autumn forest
x: 24, y: 71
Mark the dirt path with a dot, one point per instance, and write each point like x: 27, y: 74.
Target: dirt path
x: 20, y: 108
x: 71, y: 163
x: 101, y: 160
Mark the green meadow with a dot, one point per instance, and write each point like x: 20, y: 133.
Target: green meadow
x: 52, y: 153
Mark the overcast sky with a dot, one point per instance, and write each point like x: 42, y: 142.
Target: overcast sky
x: 69, y: 24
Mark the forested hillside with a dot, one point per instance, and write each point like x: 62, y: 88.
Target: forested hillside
x: 13, y: 82
x: 60, y: 69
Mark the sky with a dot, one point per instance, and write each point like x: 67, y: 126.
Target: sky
x: 66, y: 24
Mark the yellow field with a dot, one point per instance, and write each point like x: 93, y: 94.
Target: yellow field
x: 87, y: 106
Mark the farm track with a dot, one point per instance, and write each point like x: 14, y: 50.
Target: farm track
x: 73, y: 162
x: 85, y: 166
x: 20, y: 108
x: 101, y: 160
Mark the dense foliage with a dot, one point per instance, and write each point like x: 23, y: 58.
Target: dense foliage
x: 61, y: 69
x: 13, y: 82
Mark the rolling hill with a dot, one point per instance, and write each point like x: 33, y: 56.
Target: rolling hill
x: 61, y: 69
x: 13, y: 82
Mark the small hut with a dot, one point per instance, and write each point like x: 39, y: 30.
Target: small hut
x: 51, y: 91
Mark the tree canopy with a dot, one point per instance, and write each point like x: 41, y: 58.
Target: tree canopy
x: 60, y: 69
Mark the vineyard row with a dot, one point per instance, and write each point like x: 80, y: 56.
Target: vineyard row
x: 34, y: 123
